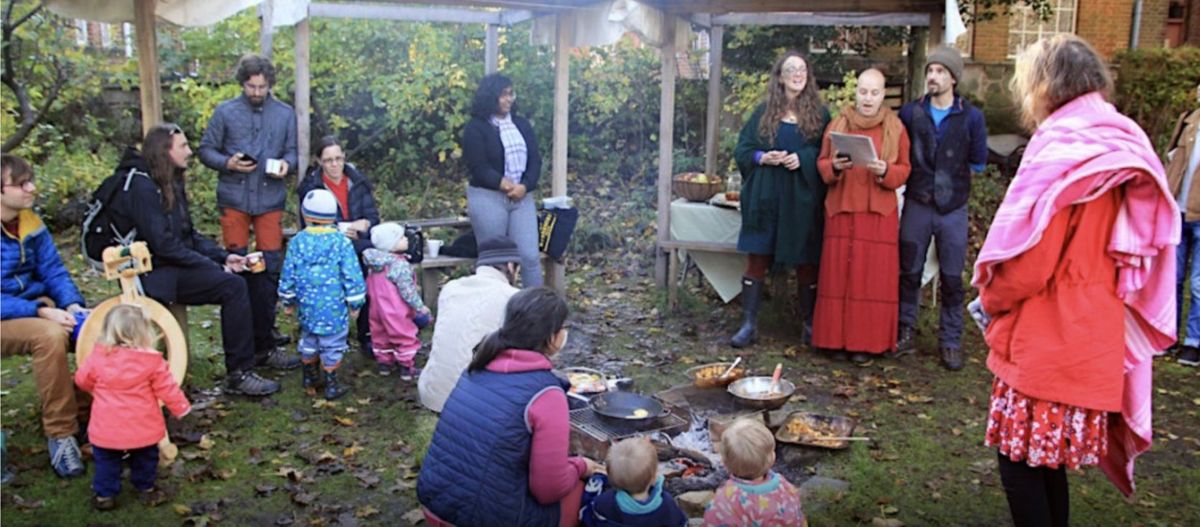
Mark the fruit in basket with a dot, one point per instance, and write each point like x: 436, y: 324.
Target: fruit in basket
x: 733, y: 195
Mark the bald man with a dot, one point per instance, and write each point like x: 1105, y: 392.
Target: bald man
x: 949, y: 144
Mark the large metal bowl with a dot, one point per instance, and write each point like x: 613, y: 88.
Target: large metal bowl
x: 755, y: 392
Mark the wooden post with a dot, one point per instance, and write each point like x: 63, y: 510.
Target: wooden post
x: 666, y: 143
x: 564, y: 27
x: 936, y: 21
x: 303, y: 81
x: 147, y: 49
x: 491, y: 51
x: 712, y: 118
x: 266, y: 31
x: 916, y: 62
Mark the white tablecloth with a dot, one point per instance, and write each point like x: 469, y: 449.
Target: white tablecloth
x: 701, y: 222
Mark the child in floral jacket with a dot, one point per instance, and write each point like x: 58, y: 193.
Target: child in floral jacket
x: 397, y: 312
x: 322, y: 277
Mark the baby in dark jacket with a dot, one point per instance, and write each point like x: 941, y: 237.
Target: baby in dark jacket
x: 637, y: 497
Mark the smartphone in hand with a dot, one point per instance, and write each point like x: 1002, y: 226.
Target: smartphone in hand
x: 247, y: 157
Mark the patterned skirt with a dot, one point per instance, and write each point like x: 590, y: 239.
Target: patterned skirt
x: 1044, y: 433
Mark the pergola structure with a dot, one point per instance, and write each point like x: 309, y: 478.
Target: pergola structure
x: 926, y: 16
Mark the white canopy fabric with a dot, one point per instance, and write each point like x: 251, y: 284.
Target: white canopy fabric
x: 604, y: 23
x: 180, y: 12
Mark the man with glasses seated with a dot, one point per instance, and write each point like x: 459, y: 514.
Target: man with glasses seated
x: 38, y: 313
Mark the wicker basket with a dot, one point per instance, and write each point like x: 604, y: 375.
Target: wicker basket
x: 693, y: 191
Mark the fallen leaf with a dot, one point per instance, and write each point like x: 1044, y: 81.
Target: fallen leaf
x: 366, y: 512
x: 414, y: 516
x: 344, y: 421
x: 326, y: 457
x: 205, y: 443
x: 264, y: 489
x: 182, y: 510
x: 363, y: 402
x: 886, y: 522
x: 304, y: 498
x: 351, y: 450
x: 890, y: 510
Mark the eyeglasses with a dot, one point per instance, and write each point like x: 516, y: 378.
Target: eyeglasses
x: 791, y: 70
x: 27, y: 186
x: 333, y: 161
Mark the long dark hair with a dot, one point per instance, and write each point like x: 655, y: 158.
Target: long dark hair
x: 155, y: 149
x: 807, y: 105
x: 531, y: 318
x: 487, y: 96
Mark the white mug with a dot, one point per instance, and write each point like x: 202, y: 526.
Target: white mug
x: 432, y: 248
x: 273, y: 166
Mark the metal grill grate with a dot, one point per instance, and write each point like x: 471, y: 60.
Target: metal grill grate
x: 588, y: 422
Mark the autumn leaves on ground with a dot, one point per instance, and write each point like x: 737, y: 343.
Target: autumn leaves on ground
x: 296, y: 460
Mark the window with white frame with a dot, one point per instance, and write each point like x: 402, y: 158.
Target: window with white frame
x: 81, y: 32
x: 1025, y: 27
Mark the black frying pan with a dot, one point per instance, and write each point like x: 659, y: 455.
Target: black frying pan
x: 623, y: 406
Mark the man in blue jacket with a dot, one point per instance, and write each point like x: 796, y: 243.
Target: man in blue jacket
x: 251, y: 143
x: 35, y: 284
x: 949, y: 144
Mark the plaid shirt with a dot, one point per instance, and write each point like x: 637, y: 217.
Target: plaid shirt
x: 515, y: 152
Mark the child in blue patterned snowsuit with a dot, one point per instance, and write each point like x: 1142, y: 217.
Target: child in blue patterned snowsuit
x: 321, y: 275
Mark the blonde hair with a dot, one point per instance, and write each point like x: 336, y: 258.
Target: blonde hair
x: 128, y: 325
x: 1054, y: 71
x: 747, y: 449
x: 632, y: 464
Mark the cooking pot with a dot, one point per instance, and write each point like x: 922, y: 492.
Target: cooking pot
x: 624, y: 406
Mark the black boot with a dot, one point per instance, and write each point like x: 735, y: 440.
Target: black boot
x: 333, y: 389
x: 312, y: 377
x: 806, y: 300
x: 751, y: 297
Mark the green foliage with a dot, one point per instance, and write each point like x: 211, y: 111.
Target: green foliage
x: 1155, y: 85
x: 837, y: 98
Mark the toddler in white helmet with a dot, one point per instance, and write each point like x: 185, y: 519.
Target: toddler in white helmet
x: 397, y: 313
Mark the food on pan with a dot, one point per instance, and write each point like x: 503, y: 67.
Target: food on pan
x: 584, y: 382
x: 641, y: 412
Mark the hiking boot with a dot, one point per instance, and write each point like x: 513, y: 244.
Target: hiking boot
x: 279, y: 338
x: 906, y: 342
x: 1189, y: 356
x: 333, y: 388
x: 860, y: 358
x: 279, y: 360
x: 249, y: 383
x: 152, y: 497
x: 312, y: 377
x: 952, y: 358
x: 409, y: 373
x: 101, y: 503
x: 384, y: 369
x: 65, y: 457
x: 751, y: 297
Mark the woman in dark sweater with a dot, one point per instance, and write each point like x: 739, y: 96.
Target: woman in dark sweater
x: 189, y: 268
x: 502, y: 158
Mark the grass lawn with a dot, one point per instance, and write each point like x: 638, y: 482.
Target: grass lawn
x: 295, y: 460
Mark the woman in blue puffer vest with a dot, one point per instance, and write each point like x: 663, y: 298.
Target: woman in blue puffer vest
x: 499, y: 452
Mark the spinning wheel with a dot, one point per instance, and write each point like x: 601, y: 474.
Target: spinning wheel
x: 124, y: 264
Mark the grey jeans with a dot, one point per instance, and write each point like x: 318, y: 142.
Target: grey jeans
x: 493, y: 215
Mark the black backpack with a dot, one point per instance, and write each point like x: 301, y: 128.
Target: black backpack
x: 98, y: 231
x: 416, y: 243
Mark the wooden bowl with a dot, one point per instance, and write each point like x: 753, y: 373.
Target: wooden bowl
x: 694, y: 191
x: 706, y: 375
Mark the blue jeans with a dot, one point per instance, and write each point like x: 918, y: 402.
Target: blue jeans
x: 143, y: 469
x: 331, y: 348
x: 918, y: 223
x: 1189, y: 248
x: 494, y: 215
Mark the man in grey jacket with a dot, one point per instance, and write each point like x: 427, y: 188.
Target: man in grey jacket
x: 251, y: 142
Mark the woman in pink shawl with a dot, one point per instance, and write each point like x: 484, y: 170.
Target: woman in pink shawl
x: 1075, y: 286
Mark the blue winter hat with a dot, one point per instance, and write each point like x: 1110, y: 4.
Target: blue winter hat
x: 319, y: 206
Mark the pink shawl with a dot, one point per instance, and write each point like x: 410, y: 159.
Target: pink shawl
x: 1083, y: 150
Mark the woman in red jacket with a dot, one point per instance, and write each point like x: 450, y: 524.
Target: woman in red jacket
x: 1075, y: 286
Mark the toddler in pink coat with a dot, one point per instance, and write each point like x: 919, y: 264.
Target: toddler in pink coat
x: 127, y: 378
x: 397, y: 313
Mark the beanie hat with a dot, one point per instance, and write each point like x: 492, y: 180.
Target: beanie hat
x: 387, y: 236
x: 949, y: 58
x: 319, y: 206
x: 496, y: 251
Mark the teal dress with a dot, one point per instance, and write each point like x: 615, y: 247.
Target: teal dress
x: 782, y: 210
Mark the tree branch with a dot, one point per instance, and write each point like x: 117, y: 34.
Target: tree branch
x: 29, y: 116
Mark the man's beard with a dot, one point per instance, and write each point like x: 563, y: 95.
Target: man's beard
x: 257, y: 101
x: 935, y: 89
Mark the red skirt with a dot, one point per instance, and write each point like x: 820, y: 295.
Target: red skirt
x: 1044, y: 433
x: 858, y: 285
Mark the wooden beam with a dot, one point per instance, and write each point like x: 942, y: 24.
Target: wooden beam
x: 414, y: 14
x: 936, y: 21
x: 821, y: 19
x: 712, y: 118
x: 767, y: 6
x: 491, y: 49
x: 564, y: 27
x: 147, y: 49
x: 266, y: 32
x: 666, y: 144
x: 303, y: 83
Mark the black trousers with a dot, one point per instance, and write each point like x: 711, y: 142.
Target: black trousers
x: 195, y: 287
x: 264, y: 296
x: 1037, y: 496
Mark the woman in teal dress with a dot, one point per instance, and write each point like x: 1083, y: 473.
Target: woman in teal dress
x: 783, y: 195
